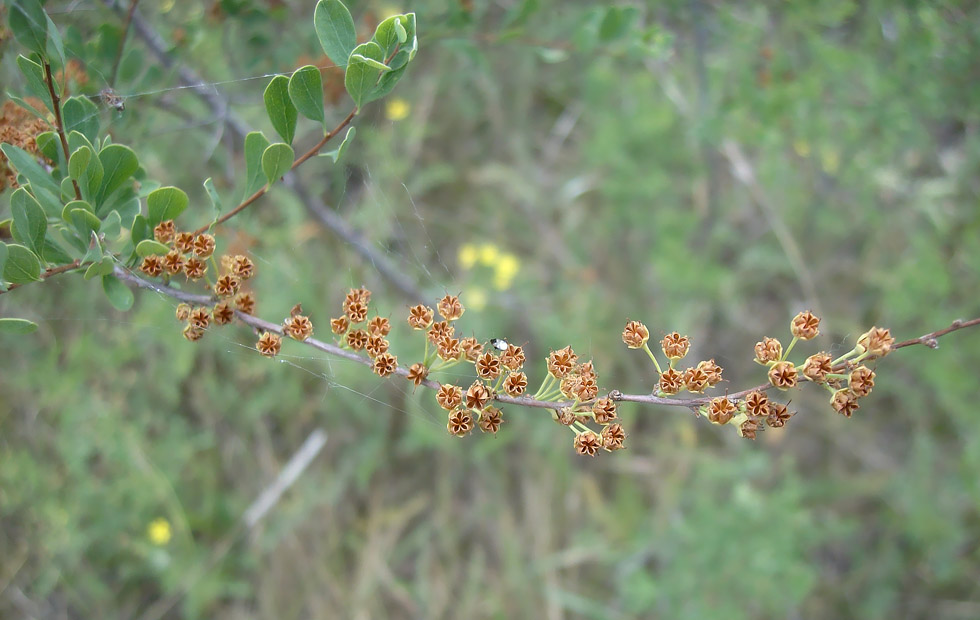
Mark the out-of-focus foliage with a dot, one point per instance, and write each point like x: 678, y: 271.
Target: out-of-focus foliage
x: 597, y: 147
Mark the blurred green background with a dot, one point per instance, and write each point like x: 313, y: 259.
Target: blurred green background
x: 709, y: 167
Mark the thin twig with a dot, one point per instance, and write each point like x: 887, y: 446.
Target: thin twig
x: 122, y: 43
x: 50, y: 272
x: 59, y: 126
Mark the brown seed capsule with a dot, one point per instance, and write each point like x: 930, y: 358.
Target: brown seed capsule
x: 817, y: 367
x: 585, y: 389
x: 193, y: 333
x: 357, y: 339
x: 560, y: 362
x: 183, y: 312
x: 200, y: 317
x: 339, y: 325
x: 565, y: 416
x: 450, y: 308
x: 513, y: 358
x: 861, y: 380
x: 604, y: 410
x: 844, y: 402
x: 448, y: 348
x: 460, y: 422
x: 298, y: 327
x: 184, y: 242
x: 695, y: 380
x: 490, y: 420
x: 805, y: 326
x: 675, y: 346
x: 152, y: 266
x: 586, y: 371
x: 769, y: 350
x: 245, y: 302
x: 515, y: 384
x: 242, y: 267
x: 204, y: 245
x: 635, y: 334
x: 720, y: 410
x: 783, y: 375
x: 757, y: 403
x: 269, y: 344
x: 471, y: 348
x: 613, y: 437
x: 712, y: 370
x: 568, y: 386
x: 376, y: 345
x: 440, y: 330
x: 778, y: 415
x: 357, y: 312
x: 227, y: 285
x: 878, y: 341
x: 173, y: 262
x: 671, y: 382
x: 477, y: 396
x: 296, y: 310
x: 417, y: 372
x: 748, y: 429
x: 385, y: 364
x: 194, y: 268
x: 449, y: 396
x: 587, y: 443
x: 420, y: 317
x: 379, y: 326
x: 164, y: 232
x: 223, y: 313
x: 488, y: 367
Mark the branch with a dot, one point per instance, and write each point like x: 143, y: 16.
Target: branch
x: 59, y: 126
x: 51, y: 272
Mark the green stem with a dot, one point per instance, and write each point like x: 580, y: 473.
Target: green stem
x: 654, y: 358
x: 846, y: 356
x: 789, y: 348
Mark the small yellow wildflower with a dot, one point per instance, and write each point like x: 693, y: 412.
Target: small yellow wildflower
x: 467, y: 255
x: 397, y: 109
x: 159, y: 531
x: 476, y: 298
x: 802, y: 148
x: 830, y: 160
x: 489, y: 254
x: 504, y: 271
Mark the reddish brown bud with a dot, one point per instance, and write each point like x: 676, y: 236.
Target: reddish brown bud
x: 357, y: 339
x: 204, y: 245
x: 200, y: 317
x: 695, y: 380
x: 376, y: 345
x: 471, y: 348
x: 778, y: 415
x: 192, y: 333
x: 448, y: 348
x: 194, y: 268
x: 242, y: 267
x: 748, y: 429
x: 227, y: 285
x: 560, y: 362
x: 513, y: 358
x: 440, y: 330
x: 183, y: 312
x: 712, y: 370
x: 173, y: 262
x: 357, y: 312
x: 184, y: 242
x: 379, y: 326
x: 488, y: 367
x: 245, y: 302
x: 844, y: 402
x: 757, y: 403
x: 339, y: 325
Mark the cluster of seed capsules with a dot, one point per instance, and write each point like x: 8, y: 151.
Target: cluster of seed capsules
x: 192, y: 256
x: 846, y: 377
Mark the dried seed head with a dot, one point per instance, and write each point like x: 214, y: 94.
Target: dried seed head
x: 379, y: 326
x: 204, y: 245
x: 173, y: 262
x: 448, y: 348
x: 613, y: 437
x: 450, y: 308
x: 152, y: 266
x: 223, y: 313
x: 757, y: 403
x: 805, y: 326
x: 490, y: 420
x: 440, y: 330
x: 604, y: 410
x: 565, y: 416
x: 376, y: 345
x: 420, y: 317
x: 477, y: 396
x: 460, y: 422
x: 242, y: 267
x: 269, y: 344
x: 568, y: 386
x: 778, y: 415
x: 695, y: 380
x: 586, y: 371
x: 195, y: 268
x: 675, y: 346
x: 513, y: 358
x: 635, y: 334
x: 357, y: 312
x: 183, y: 312
x: 245, y: 302
x: 712, y: 370
x: 585, y: 389
x: 362, y: 295
x: 417, y: 372
x: 449, y: 396
x: 184, y: 242
x: 385, y: 364
x: 769, y: 350
x: 587, y: 443
x: 298, y: 327
x: 720, y: 410
x: 861, y: 380
x: 844, y: 402
x: 783, y: 375
x: 817, y: 367
x: 164, y: 232
x: 488, y: 367
x: 560, y: 362
x: 471, y: 348
x: 515, y: 384
x: 295, y: 310
x: 748, y: 429
x: 193, y: 333
x: 357, y: 339
x: 339, y: 325
x: 671, y: 382
x: 227, y: 285
x: 878, y: 341
x: 200, y: 317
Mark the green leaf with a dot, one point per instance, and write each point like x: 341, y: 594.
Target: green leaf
x: 119, y: 162
x: 149, y: 247
x: 213, y: 195
x: 81, y: 115
x: 3, y: 261
x: 54, y: 39
x: 29, y: 23
x: 102, y: 267
x: 22, y: 265
x: 84, y: 221
x: 49, y: 145
x: 36, y: 84
x: 616, y: 23
x: 390, y: 79
x: 141, y: 230
x: 75, y: 204
x: 335, y: 29
x: 28, y: 107
x: 400, y: 33
x: 111, y: 225
x: 29, y: 222
x: 118, y: 293
x: 280, y: 109
x: 54, y: 253
x: 387, y: 36
x: 361, y: 77
x: 276, y: 161
x: 255, y: 145
x: 17, y: 326
x: 78, y: 162
x: 338, y: 152
x: 306, y: 92
x: 26, y: 165
x: 164, y: 204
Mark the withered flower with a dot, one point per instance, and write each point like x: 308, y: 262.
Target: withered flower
x: 173, y: 262
x: 269, y: 344
x: 861, y: 380
x: 675, y: 346
x: 877, y: 340
x: 783, y: 375
x: 769, y: 350
x: 245, y: 302
x: 560, y: 362
x: 242, y: 267
x: 712, y: 370
x: 385, y: 364
x: 565, y: 416
x: 450, y: 308
x: 757, y: 403
x: 449, y: 396
x: 194, y: 268
x: 477, y: 396
x: 471, y: 348
x: 671, y: 381
x: 440, y: 330
x: 844, y: 402
x: 152, y: 266
x: 817, y: 367
x: 298, y: 327
x: 695, y: 380
x: 604, y: 410
x: 460, y: 422
x: 490, y: 420
x: 585, y: 388
x: 417, y: 373
x: 805, y: 326
x: 339, y: 325
x: 613, y: 437
x: 420, y: 317
x: 488, y: 366
x: 513, y: 358
x: 748, y: 429
x: 192, y: 333
x: 183, y: 311
x: 375, y: 346
x: 448, y: 348
x: 200, y: 317
x: 223, y: 313
x: 204, y: 245
x: 721, y: 410
x: 587, y: 442
x: 357, y: 312
x: 227, y: 285
x: 379, y: 326
x: 164, y: 231
x: 184, y: 241
x: 635, y: 334
x: 778, y: 415
x: 357, y: 339
x: 515, y: 384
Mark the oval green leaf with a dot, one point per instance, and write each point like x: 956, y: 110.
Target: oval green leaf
x: 335, y: 30
x: 78, y: 162
x: 84, y: 222
x: 255, y: 146
x: 36, y: 85
x: 165, y: 204
x: 29, y: 222
x: 280, y: 108
x: 119, y: 163
x: 17, y: 326
x: 149, y: 247
x: 306, y: 92
x: 118, y: 293
x: 81, y: 115
x: 29, y: 23
x: 338, y: 152
x: 26, y: 165
x: 22, y: 265
x: 361, y: 77
x: 276, y: 161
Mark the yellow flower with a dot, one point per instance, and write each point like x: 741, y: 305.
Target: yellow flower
x: 397, y: 109
x: 467, y: 255
x: 830, y: 160
x: 504, y: 271
x: 159, y: 531
x: 476, y: 298
x: 802, y: 148
x: 489, y: 254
